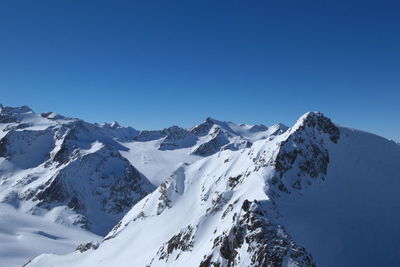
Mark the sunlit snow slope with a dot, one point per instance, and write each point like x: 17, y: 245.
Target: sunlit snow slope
x: 24, y: 236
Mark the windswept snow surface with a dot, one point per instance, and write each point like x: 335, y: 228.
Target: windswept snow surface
x: 157, y: 165
x: 24, y: 236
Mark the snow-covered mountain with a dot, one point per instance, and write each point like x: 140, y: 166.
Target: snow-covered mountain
x: 75, y: 173
x: 210, y: 136
x: 158, y: 153
x: 313, y: 194
x: 66, y: 169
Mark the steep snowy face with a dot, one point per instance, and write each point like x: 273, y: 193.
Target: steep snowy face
x: 66, y: 169
x: 221, y: 210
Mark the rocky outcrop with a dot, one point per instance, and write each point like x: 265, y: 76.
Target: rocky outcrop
x: 176, y: 138
x: 217, y: 140
x: 305, y: 152
x: 87, y: 246
x: 265, y: 243
x: 181, y: 242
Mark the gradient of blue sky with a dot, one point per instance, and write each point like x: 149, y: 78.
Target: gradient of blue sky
x: 151, y: 64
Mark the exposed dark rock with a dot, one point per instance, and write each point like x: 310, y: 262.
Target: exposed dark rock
x: 164, y: 202
x: 63, y: 154
x: 305, y: 148
x: 267, y: 244
x: 177, y: 137
x: 233, y: 181
x: 229, y: 209
x: 323, y: 124
x: 4, y: 118
x: 54, y: 191
x: 3, y: 147
x: 127, y: 191
x: 218, y: 203
x: 214, y: 145
x: 145, y: 136
x: 181, y: 242
x: 86, y: 246
x: 204, y: 128
x: 76, y: 204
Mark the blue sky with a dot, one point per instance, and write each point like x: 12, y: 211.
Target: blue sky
x: 151, y: 64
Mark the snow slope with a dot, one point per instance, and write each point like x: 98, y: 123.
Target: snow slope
x: 157, y: 165
x: 24, y: 236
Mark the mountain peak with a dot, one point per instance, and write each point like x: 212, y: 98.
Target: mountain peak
x: 317, y: 120
x: 203, y: 128
x: 209, y: 120
x: 112, y: 125
x: 212, y: 121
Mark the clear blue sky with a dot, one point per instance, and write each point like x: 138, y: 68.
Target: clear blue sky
x: 151, y: 64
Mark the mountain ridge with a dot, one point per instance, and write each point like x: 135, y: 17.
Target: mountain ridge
x: 215, y: 194
x: 231, y: 208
